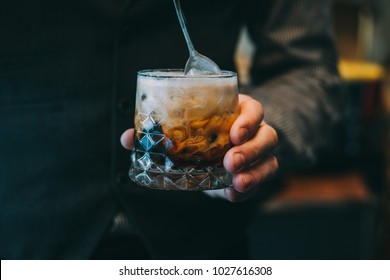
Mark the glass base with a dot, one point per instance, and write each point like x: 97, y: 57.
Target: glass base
x: 188, y: 179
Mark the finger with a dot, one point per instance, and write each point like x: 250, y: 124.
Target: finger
x: 239, y: 157
x: 251, y: 178
x: 251, y: 115
x: 234, y: 196
x: 127, y: 139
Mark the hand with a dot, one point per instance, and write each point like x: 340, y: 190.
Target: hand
x: 250, y: 160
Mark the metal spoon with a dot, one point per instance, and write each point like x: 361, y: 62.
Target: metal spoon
x: 197, y: 64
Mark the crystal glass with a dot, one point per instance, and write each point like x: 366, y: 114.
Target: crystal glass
x: 182, y: 126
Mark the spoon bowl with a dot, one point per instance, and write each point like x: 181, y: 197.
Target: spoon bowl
x: 197, y: 64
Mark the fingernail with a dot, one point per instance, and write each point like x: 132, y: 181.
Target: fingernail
x: 243, y: 134
x: 238, y: 160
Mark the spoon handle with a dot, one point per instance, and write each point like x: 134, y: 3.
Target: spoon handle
x: 182, y: 22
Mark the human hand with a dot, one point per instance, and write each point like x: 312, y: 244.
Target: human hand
x: 250, y: 160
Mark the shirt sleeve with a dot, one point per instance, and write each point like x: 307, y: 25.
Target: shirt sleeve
x: 294, y: 75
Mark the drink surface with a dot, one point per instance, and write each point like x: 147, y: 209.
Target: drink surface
x: 183, y: 123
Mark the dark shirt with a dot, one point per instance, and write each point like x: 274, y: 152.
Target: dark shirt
x: 67, y: 87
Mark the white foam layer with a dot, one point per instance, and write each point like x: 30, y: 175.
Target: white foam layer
x: 178, y: 79
x: 195, y: 96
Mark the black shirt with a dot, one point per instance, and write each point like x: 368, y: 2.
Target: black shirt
x: 67, y: 88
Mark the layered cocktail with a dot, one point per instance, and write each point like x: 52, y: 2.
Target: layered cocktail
x: 182, y: 126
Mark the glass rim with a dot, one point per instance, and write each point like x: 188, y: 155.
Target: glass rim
x: 164, y: 74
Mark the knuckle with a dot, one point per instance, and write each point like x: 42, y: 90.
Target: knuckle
x: 274, y: 164
x: 260, y: 106
x: 273, y: 136
x: 254, y: 105
x: 244, y: 183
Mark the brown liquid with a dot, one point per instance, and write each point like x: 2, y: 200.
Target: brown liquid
x: 204, y: 142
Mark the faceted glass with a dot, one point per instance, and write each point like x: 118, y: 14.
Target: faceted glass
x: 182, y: 126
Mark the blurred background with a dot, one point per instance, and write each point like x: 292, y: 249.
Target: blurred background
x: 340, y: 209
